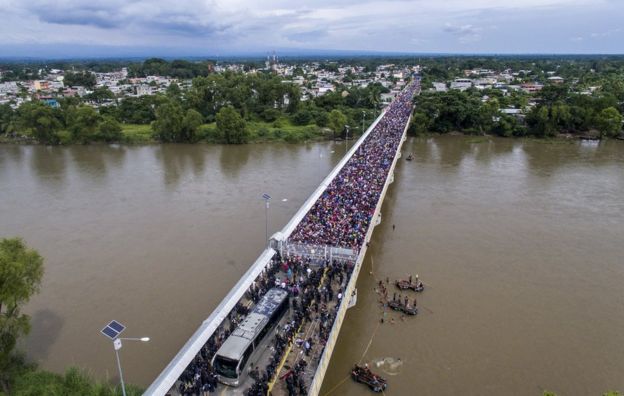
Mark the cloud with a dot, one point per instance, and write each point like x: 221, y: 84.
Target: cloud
x: 392, y: 25
x: 97, y: 18
x: 465, y: 33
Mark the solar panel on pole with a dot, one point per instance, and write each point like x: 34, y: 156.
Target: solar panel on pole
x: 113, y: 329
x: 117, y: 326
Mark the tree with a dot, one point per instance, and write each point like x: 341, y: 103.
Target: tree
x: 84, y: 78
x: 82, y: 123
x: 173, y: 90
x: 190, y: 124
x: 337, y: 121
x: 302, y: 117
x: 609, y: 122
x: 40, y: 119
x: 100, y: 95
x: 139, y: 110
x: 169, y: 122
x: 504, y: 126
x: 232, y: 126
x: 540, y: 121
x: 420, y: 123
x: 21, y: 270
x: 173, y: 125
x: 109, y: 130
x: 487, y: 112
x: 7, y: 120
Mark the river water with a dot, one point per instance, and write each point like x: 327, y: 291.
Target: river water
x: 520, y: 243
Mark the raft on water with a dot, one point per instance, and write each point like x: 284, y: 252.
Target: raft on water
x: 404, y: 284
x: 364, y: 375
x: 399, y: 306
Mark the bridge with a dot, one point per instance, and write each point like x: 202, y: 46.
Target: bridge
x: 317, y: 257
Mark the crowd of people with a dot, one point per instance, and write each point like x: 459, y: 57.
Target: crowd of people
x: 341, y: 216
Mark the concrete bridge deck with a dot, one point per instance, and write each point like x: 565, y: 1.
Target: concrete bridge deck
x: 283, y: 244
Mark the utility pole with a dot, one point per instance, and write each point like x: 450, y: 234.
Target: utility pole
x: 266, y: 198
x: 363, y: 115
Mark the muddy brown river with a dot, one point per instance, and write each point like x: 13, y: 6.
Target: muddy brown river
x: 520, y: 244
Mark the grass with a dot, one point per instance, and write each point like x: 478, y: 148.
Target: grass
x: 281, y: 130
x: 137, y: 133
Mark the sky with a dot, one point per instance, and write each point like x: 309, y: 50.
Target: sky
x: 104, y: 28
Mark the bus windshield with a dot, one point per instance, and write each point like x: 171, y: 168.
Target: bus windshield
x: 225, y: 367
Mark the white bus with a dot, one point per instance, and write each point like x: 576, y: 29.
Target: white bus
x: 231, y: 359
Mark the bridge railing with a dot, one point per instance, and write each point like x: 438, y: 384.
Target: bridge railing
x: 319, y: 254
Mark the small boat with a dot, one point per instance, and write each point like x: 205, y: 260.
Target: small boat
x: 401, y: 307
x: 396, y: 305
x: 404, y: 284
x: 410, y: 310
x: 409, y: 157
x: 364, y: 375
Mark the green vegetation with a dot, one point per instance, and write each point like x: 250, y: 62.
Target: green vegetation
x: 177, y: 68
x: 41, y: 120
x: 21, y: 270
x: 136, y: 133
x: 336, y: 121
x: 83, y: 78
x: 281, y: 130
x: 231, y: 126
x: 27, y: 380
x: 174, y: 125
x: 558, y: 110
x: 592, y: 84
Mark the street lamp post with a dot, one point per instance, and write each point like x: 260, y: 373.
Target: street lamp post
x: 363, y: 115
x: 266, y: 198
x: 346, y: 137
x: 112, y: 331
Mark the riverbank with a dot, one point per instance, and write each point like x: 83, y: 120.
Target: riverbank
x: 483, y: 137
x: 281, y: 130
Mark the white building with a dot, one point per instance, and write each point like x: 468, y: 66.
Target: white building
x: 440, y: 87
x: 461, y: 84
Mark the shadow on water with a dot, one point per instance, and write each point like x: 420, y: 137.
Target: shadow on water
x: 547, y: 157
x: 487, y: 151
x: 49, y: 165
x: 94, y: 161
x: 234, y: 158
x: 11, y: 153
x: 451, y: 151
x: 46, y: 327
x: 180, y: 159
x: 422, y: 148
x: 89, y: 161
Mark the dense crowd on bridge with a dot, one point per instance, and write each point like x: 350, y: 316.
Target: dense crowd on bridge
x: 341, y: 216
x: 311, y: 295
